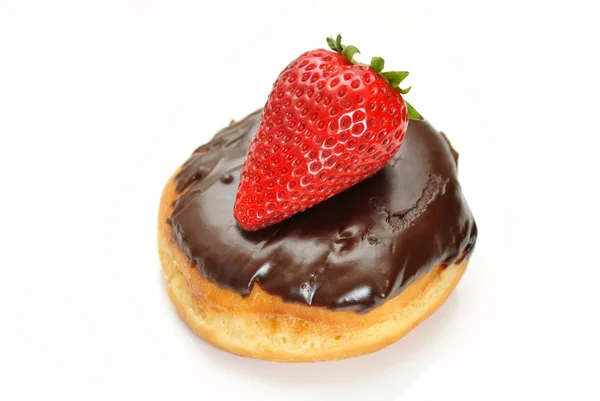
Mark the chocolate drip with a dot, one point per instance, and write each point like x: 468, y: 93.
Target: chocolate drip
x: 354, y: 251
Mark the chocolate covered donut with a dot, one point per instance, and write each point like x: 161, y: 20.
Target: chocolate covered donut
x: 345, y: 277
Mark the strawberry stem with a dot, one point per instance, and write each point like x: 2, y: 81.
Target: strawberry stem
x: 394, y: 78
x: 335, y: 45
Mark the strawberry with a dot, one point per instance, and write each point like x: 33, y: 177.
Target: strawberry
x: 329, y: 123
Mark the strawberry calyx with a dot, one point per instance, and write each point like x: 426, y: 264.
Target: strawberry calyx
x: 393, y: 78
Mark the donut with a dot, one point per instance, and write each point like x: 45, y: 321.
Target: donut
x: 344, y: 278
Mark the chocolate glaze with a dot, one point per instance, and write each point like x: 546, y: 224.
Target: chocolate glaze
x: 353, y: 251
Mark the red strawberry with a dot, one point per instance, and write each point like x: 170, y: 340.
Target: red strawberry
x: 328, y: 124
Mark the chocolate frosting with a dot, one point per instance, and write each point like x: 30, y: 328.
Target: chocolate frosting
x: 353, y: 251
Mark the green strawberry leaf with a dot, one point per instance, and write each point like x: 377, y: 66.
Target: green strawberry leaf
x: 331, y: 43
x: 395, y: 77
x: 377, y: 63
x: 349, y: 52
x: 413, y: 114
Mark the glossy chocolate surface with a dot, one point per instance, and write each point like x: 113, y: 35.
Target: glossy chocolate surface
x: 353, y: 251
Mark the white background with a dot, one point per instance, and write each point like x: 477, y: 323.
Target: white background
x: 101, y: 101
